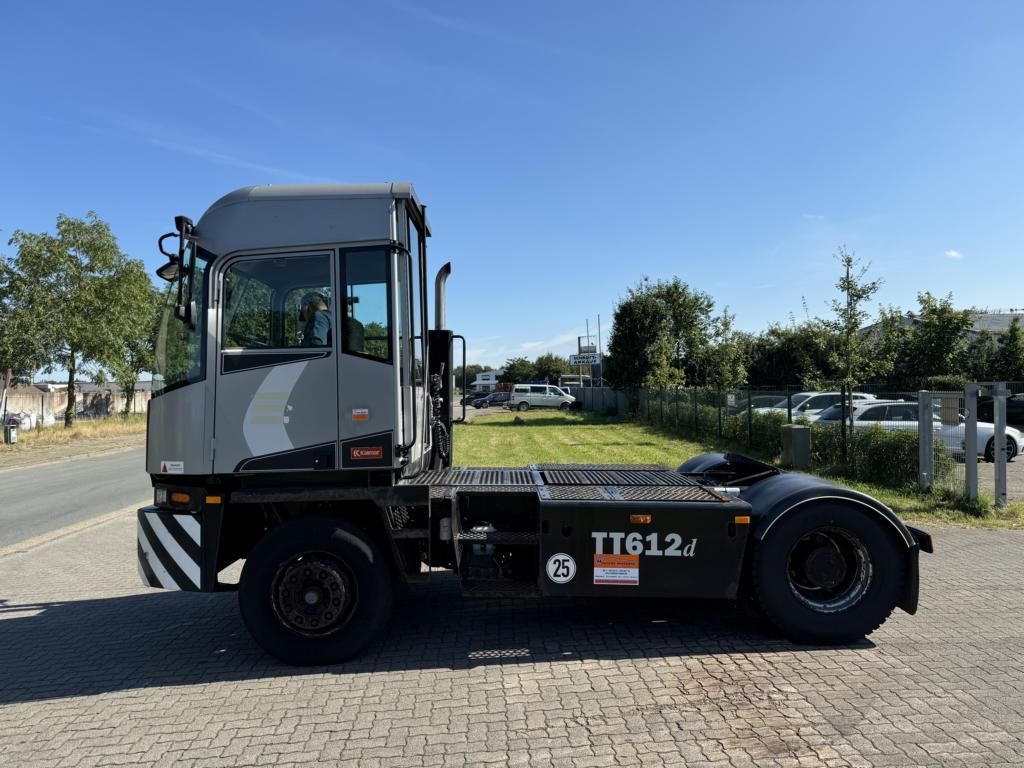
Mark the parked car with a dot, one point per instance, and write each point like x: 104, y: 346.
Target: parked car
x: 527, y: 396
x: 810, y: 404
x: 492, y: 399
x: 1014, y: 409
x: 757, y: 402
x: 897, y: 416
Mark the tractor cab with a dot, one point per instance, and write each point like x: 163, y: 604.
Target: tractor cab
x: 293, y: 338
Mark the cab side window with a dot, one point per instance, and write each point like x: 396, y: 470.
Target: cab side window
x: 366, y: 326
x: 278, y: 303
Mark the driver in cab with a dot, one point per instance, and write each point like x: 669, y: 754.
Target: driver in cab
x: 314, y: 313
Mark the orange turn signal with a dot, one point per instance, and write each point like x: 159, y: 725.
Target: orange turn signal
x: 180, y: 498
x: 742, y: 520
x: 641, y: 519
x: 213, y: 499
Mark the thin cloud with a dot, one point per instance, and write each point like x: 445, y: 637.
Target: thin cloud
x: 492, y: 34
x: 954, y: 254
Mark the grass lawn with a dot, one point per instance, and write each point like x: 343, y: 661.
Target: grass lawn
x: 56, y: 442
x: 587, y: 438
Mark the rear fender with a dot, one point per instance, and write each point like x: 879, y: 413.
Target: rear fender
x: 774, y: 498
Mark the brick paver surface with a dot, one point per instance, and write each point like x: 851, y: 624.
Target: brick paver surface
x: 95, y: 670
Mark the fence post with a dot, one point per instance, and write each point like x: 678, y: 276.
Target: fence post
x: 721, y: 394
x: 971, y: 442
x: 750, y: 418
x: 647, y: 399
x: 925, y: 454
x: 661, y: 407
x: 789, y: 405
x: 696, y: 426
x: 999, y: 442
x: 679, y: 424
x: 842, y: 433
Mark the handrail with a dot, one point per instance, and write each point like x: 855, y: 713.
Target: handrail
x: 404, y: 449
x: 460, y: 336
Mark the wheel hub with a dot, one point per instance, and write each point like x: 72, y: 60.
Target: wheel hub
x: 829, y: 570
x: 312, y: 595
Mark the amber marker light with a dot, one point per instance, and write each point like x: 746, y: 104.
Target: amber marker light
x: 641, y: 519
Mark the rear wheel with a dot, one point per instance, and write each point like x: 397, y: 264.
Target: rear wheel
x: 315, y: 591
x: 524, y: 406
x: 828, y: 575
x: 990, y: 449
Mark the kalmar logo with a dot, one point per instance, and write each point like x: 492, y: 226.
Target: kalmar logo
x: 367, y: 452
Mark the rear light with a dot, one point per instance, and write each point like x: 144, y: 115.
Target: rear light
x: 179, y: 497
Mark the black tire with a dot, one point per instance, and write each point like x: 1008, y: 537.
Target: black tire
x: 563, y: 407
x: 292, y: 561
x: 524, y: 406
x: 868, y: 554
x: 990, y: 449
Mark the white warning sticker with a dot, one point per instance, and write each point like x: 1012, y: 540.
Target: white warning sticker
x: 623, y: 570
x: 172, y: 467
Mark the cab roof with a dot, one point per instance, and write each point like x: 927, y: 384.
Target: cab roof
x: 268, y: 215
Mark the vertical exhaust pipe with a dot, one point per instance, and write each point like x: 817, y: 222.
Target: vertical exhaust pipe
x: 439, y: 295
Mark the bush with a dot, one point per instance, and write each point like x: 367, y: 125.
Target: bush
x: 945, y: 383
x: 874, y: 455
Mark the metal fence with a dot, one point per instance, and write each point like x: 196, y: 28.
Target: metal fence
x: 892, y: 437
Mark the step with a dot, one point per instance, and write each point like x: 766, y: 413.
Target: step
x: 513, y: 538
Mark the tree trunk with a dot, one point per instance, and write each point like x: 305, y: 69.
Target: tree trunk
x: 129, y: 399
x: 69, y: 411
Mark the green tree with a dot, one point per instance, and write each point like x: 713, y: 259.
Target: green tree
x: 135, y: 352
x: 788, y: 355
x: 852, y: 359
x: 889, y: 343
x: 660, y: 333
x: 23, y: 350
x: 1009, y: 359
x: 938, y: 342
x: 517, y: 369
x: 549, y: 367
x: 725, y: 366
x: 982, y: 354
x: 74, y: 284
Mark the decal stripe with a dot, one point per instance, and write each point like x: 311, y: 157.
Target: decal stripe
x: 173, y: 525
x: 191, y: 526
x: 162, y: 544
x: 145, y: 572
x: 164, y: 580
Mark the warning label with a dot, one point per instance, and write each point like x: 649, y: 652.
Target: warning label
x: 360, y: 414
x: 172, y: 467
x: 617, y: 569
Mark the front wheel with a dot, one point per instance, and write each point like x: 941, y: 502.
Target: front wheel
x: 315, y: 591
x: 828, y: 575
x: 523, y: 407
x: 563, y: 407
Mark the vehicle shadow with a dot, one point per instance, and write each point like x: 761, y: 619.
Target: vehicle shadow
x: 52, y: 650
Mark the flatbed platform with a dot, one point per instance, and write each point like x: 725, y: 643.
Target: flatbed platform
x: 570, y: 482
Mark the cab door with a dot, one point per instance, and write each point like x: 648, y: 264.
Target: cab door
x: 276, y: 379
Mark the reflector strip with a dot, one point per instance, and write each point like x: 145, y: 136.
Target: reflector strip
x: 213, y: 499
x: 742, y: 520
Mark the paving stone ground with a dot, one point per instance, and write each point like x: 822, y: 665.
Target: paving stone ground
x: 96, y: 670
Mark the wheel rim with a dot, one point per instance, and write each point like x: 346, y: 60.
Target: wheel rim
x: 1011, y: 448
x: 313, y: 594
x: 829, y: 570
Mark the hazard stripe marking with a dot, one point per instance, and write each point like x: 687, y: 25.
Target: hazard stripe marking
x: 191, y: 526
x: 182, y: 539
x: 161, y: 577
x: 171, y: 556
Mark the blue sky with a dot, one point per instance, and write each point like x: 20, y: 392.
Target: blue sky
x: 564, y: 150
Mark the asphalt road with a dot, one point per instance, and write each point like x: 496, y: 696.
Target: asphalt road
x: 37, y: 500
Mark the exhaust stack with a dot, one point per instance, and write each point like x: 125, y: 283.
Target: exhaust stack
x: 439, y: 295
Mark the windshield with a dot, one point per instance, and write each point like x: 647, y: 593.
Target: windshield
x: 179, y: 348
x: 833, y: 412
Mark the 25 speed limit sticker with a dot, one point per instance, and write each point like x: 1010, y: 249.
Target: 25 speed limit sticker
x: 561, y: 568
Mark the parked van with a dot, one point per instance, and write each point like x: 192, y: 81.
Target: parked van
x: 527, y: 396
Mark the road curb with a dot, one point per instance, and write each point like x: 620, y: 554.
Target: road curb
x: 76, y: 457
x: 70, y: 530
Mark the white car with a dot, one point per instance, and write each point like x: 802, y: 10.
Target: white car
x: 527, y: 396
x: 897, y: 415
x: 810, y: 404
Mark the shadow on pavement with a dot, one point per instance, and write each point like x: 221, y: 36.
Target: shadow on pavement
x: 53, y: 650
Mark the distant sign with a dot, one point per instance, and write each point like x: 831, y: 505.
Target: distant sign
x: 730, y: 400
x: 590, y: 358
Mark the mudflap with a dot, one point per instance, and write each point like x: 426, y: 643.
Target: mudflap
x: 178, y: 550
